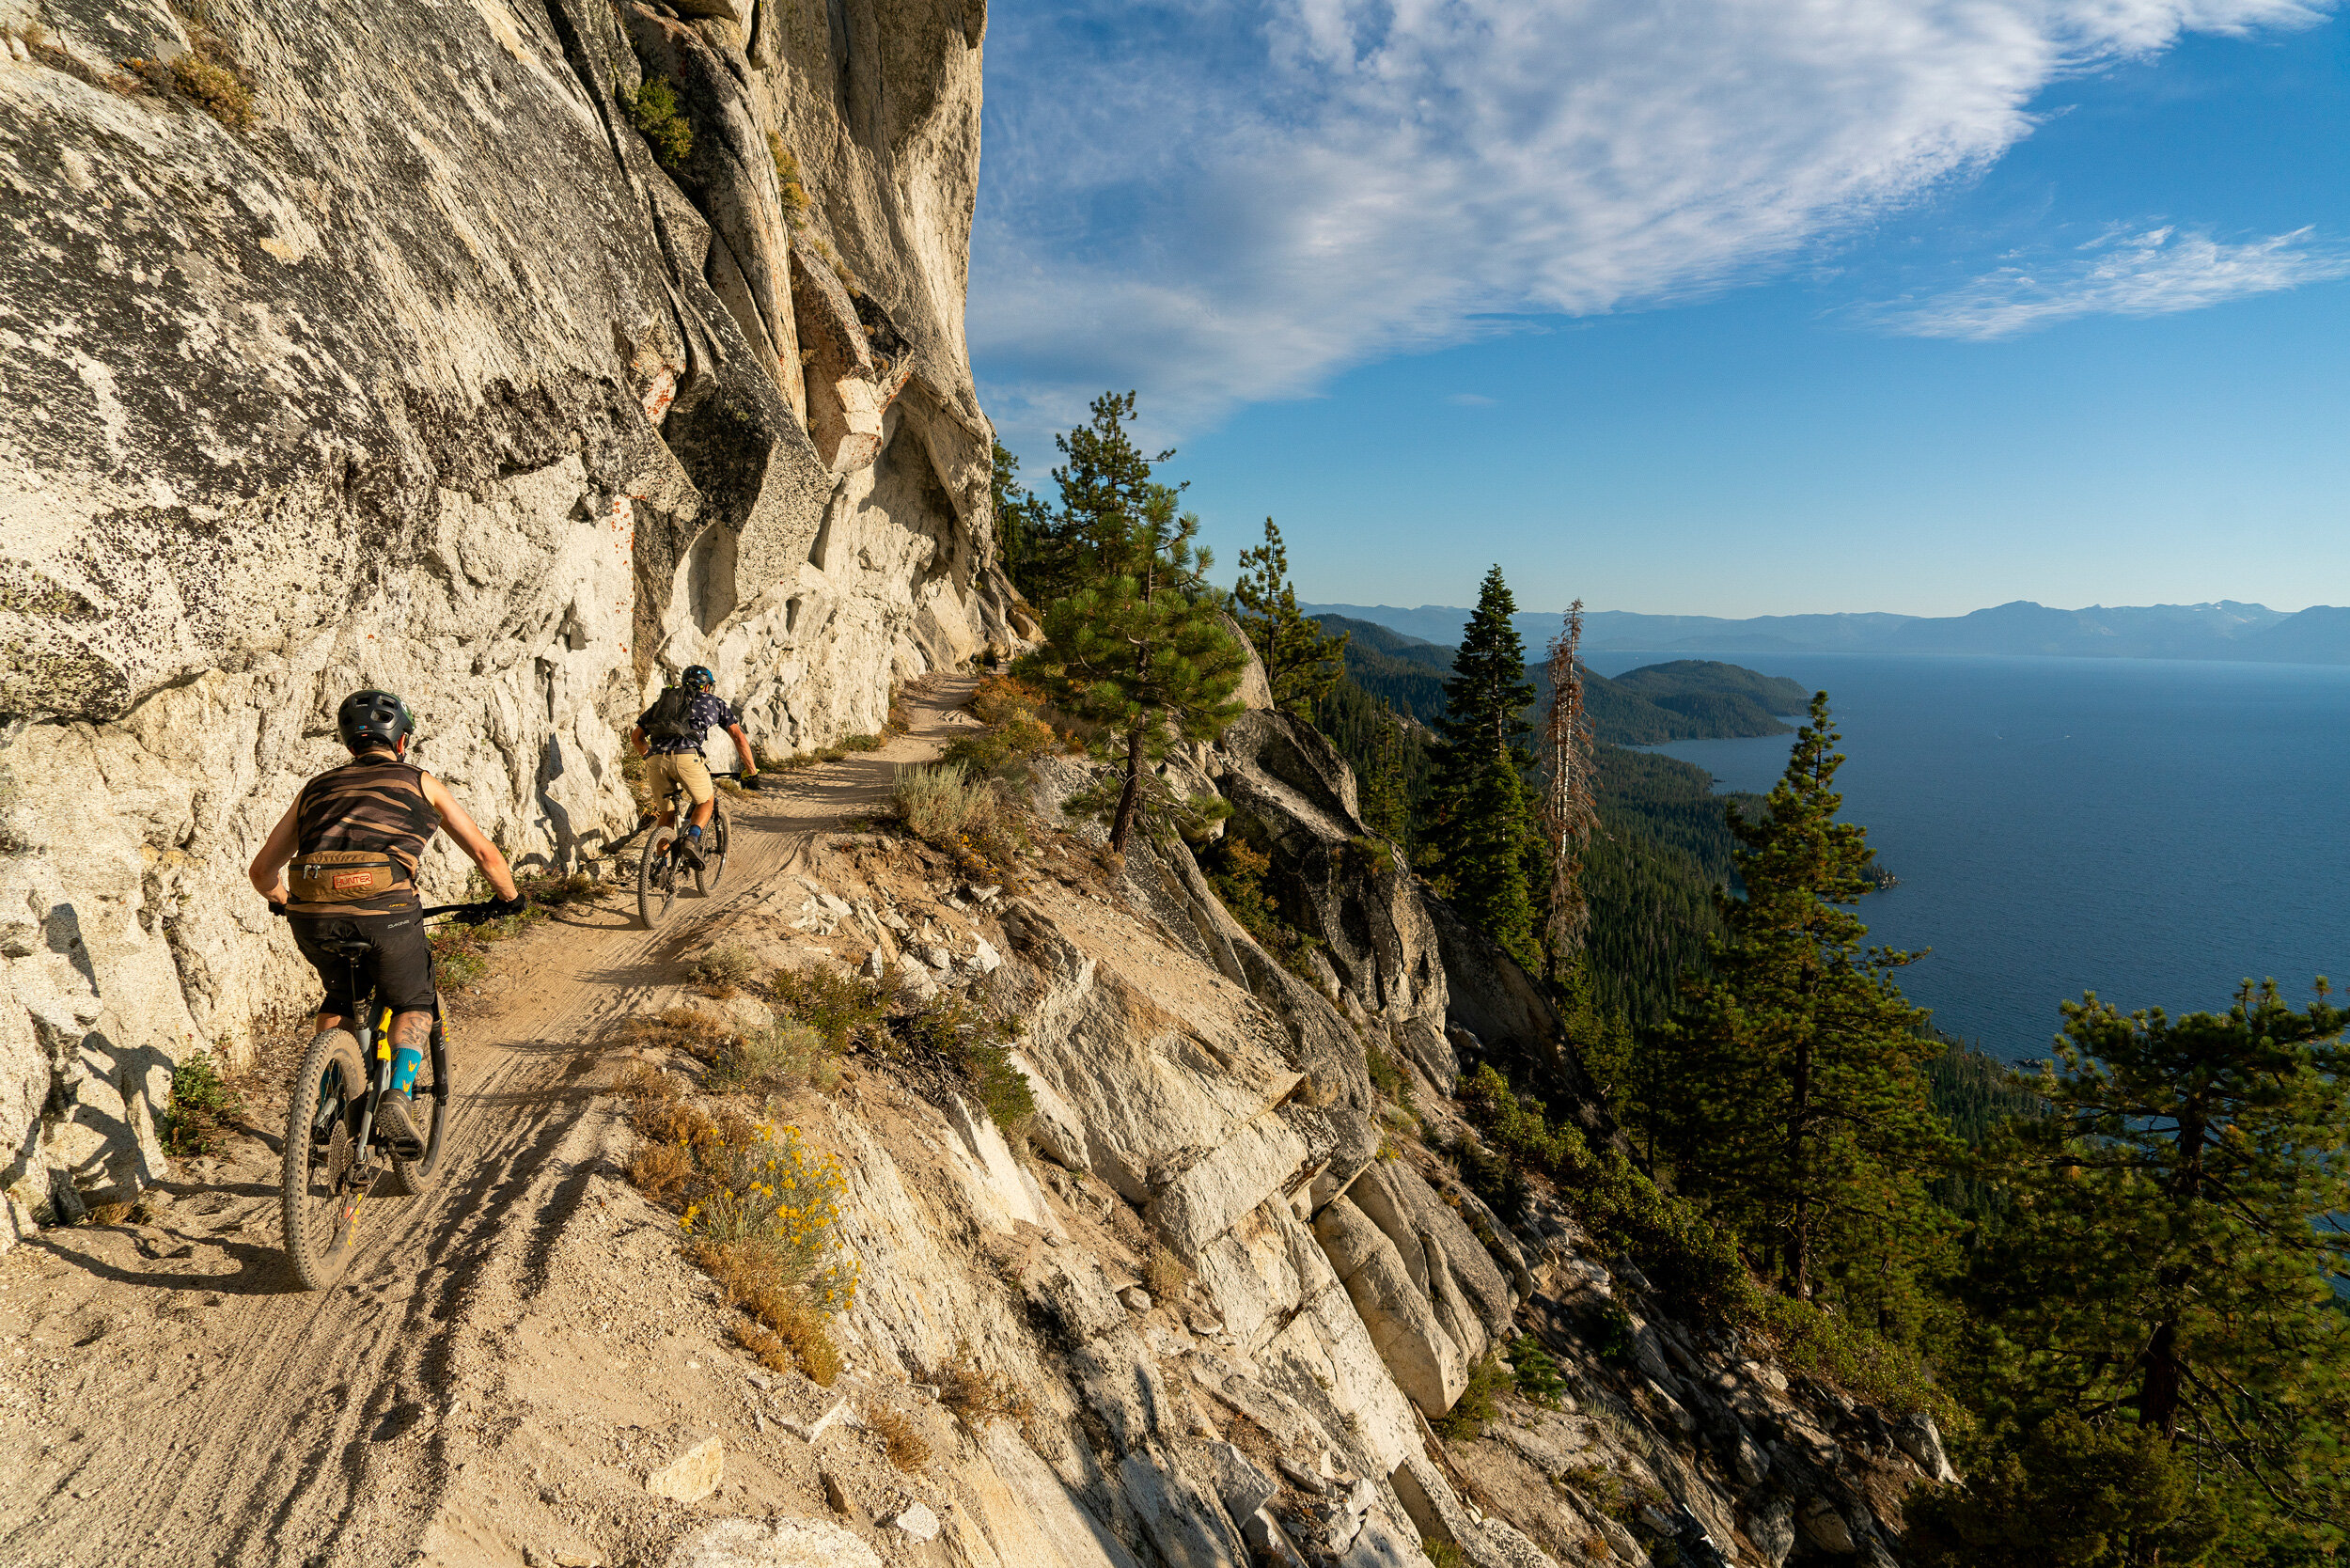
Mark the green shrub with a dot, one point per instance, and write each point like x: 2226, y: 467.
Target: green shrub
x: 952, y: 1029
x: 201, y: 1105
x: 788, y: 184
x: 778, y: 1060
x: 1537, y: 1374
x: 858, y: 742
x: 942, y: 804
x: 1819, y: 1343
x: 1479, y: 1401
x: 1238, y: 878
x: 653, y: 109
x: 843, y: 1009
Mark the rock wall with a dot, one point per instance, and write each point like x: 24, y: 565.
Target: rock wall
x: 428, y: 376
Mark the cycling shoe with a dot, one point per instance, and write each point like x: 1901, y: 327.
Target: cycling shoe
x: 396, y: 1125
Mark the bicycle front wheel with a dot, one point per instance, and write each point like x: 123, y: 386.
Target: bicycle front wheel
x: 410, y: 1177
x: 714, y: 864
x: 322, y: 1194
x: 656, y: 878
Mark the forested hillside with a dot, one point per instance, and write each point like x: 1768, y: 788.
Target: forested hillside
x: 1681, y: 701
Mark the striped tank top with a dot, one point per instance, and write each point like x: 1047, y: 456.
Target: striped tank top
x: 370, y: 804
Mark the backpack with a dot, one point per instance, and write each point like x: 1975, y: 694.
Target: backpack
x: 670, y: 717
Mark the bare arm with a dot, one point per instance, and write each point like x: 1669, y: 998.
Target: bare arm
x: 743, y: 749
x: 268, y: 874
x: 470, y: 839
x: 636, y: 739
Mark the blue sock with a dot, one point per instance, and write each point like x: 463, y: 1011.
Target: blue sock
x: 405, y: 1063
x: 694, y: 831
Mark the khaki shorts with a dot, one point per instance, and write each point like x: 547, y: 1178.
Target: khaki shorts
x: 662, y: 769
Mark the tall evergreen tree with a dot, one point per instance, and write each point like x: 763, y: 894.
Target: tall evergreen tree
x: 1569, y: 806
x: 1141, y: 647
x: 1301, y: 662
x: 1798, y: 1086
x: 1021, y: 523
x: 1106, y: 484
x: 2178, y: 1236
x: 1482, y: 826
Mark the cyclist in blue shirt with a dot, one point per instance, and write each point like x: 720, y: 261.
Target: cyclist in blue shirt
x: 668, y: 736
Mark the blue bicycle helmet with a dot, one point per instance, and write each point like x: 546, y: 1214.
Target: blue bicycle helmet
x: 697, y: 678
x: 372, y: 718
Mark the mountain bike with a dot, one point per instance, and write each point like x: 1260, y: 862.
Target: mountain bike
x: 666, y: 857
x: 333, y: 1163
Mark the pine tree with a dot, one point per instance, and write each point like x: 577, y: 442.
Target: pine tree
x: 1799, y: 1090
x: 1300, y: 662
x: 1140, y: 647
x: 1570, y: 811
x: 1021, y: 522
x: 1483, y: 827
x: 2179, y: 1233
x: 1105, y: 487
x: 1384, y: 794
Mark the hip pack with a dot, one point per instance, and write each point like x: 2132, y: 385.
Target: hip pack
x: 343, y: 877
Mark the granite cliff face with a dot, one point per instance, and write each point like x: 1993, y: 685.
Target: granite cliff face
x: 421, y: 371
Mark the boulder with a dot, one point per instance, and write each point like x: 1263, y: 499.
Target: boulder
x: 1424, y: 1359
x: 692, y: 1475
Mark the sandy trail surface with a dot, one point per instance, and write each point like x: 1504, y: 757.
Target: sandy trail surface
x: 168, y: 1395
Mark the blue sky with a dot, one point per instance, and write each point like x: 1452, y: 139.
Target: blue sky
x: 1709, y: 308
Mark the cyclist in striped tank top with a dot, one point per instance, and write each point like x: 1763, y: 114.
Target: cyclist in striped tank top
x: 355, y: 836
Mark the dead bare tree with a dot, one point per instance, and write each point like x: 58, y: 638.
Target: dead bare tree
x: 1568, y: 812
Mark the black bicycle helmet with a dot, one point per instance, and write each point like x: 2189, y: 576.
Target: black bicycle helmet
x: 698, y: 679
x: 373, y: 719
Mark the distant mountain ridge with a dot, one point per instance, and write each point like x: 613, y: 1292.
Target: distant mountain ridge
x: 1682, y: 700
x: 2225, y: 630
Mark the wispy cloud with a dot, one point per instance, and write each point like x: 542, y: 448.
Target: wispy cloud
x: 2154, y: 272
x: 1224, y: 201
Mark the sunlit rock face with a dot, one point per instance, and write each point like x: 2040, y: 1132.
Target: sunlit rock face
x: 430, y: 376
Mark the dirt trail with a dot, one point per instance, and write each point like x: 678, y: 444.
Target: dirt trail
x: 167, y: 1395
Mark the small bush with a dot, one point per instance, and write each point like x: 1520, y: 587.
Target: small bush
x: 1443, y: 1553
x: 1477, y: 1401
x: 788, y: 183
x: 980, y: 1398
x: 554, y: 892
x: 660, y: 1170
x: 950, y: 1029
x: 844, y: 1010
x: 723, y: 970
x: 1163, y: 1273
x: 1003, y: 750
x: 941, y: 804
x: 201, y: 1105
x: 779, y: 1061
x: 1386, y: 1076
x: 653, y: 109
x: 214, y: 86
x: 1238, y: 878
x: 1536, y: 1373
x: 1818, y: 1343
x: 857, y: 742
x: 703, y: 1035
x: 900, y: 1438
x: 459, y: 963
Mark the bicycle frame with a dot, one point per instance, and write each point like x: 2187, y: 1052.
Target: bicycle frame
x: 373, y: 1030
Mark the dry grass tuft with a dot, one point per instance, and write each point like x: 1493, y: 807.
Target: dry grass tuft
x: 979, y: 1397
x: 660, y: 1170
x: 724, y: 969
x: 1162, y: 1275
x: 900, y: 1438
x: 942, y: 804
x: 703, y: 1035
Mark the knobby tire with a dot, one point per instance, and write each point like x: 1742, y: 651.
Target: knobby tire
x: 656, y: 878
x: 714, y: 864
x: 411, y: 1177
x: 319, y: 1242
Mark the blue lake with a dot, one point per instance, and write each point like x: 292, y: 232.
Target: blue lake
x: 2153, y: 830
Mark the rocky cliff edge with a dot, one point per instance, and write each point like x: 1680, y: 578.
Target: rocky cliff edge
x: 350, y: 344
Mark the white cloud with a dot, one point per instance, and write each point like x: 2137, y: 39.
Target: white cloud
x: 1223, y: 201
x: 2154, y: 272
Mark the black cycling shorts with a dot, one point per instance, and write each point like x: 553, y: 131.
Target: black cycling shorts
x: 400, y: 962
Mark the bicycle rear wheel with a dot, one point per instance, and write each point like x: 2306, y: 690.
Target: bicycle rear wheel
x: 714, y: 864
x: 320, y: 1198
x: 656, y: 878
x: 410, y: 1177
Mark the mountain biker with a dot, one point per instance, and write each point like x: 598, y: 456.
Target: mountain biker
x: 669, y: 737
x: 355, y: 835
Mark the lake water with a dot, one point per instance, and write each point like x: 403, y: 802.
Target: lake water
x: 2153, y: 830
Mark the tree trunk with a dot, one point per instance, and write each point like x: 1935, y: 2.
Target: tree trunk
x: 1131, y: 797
